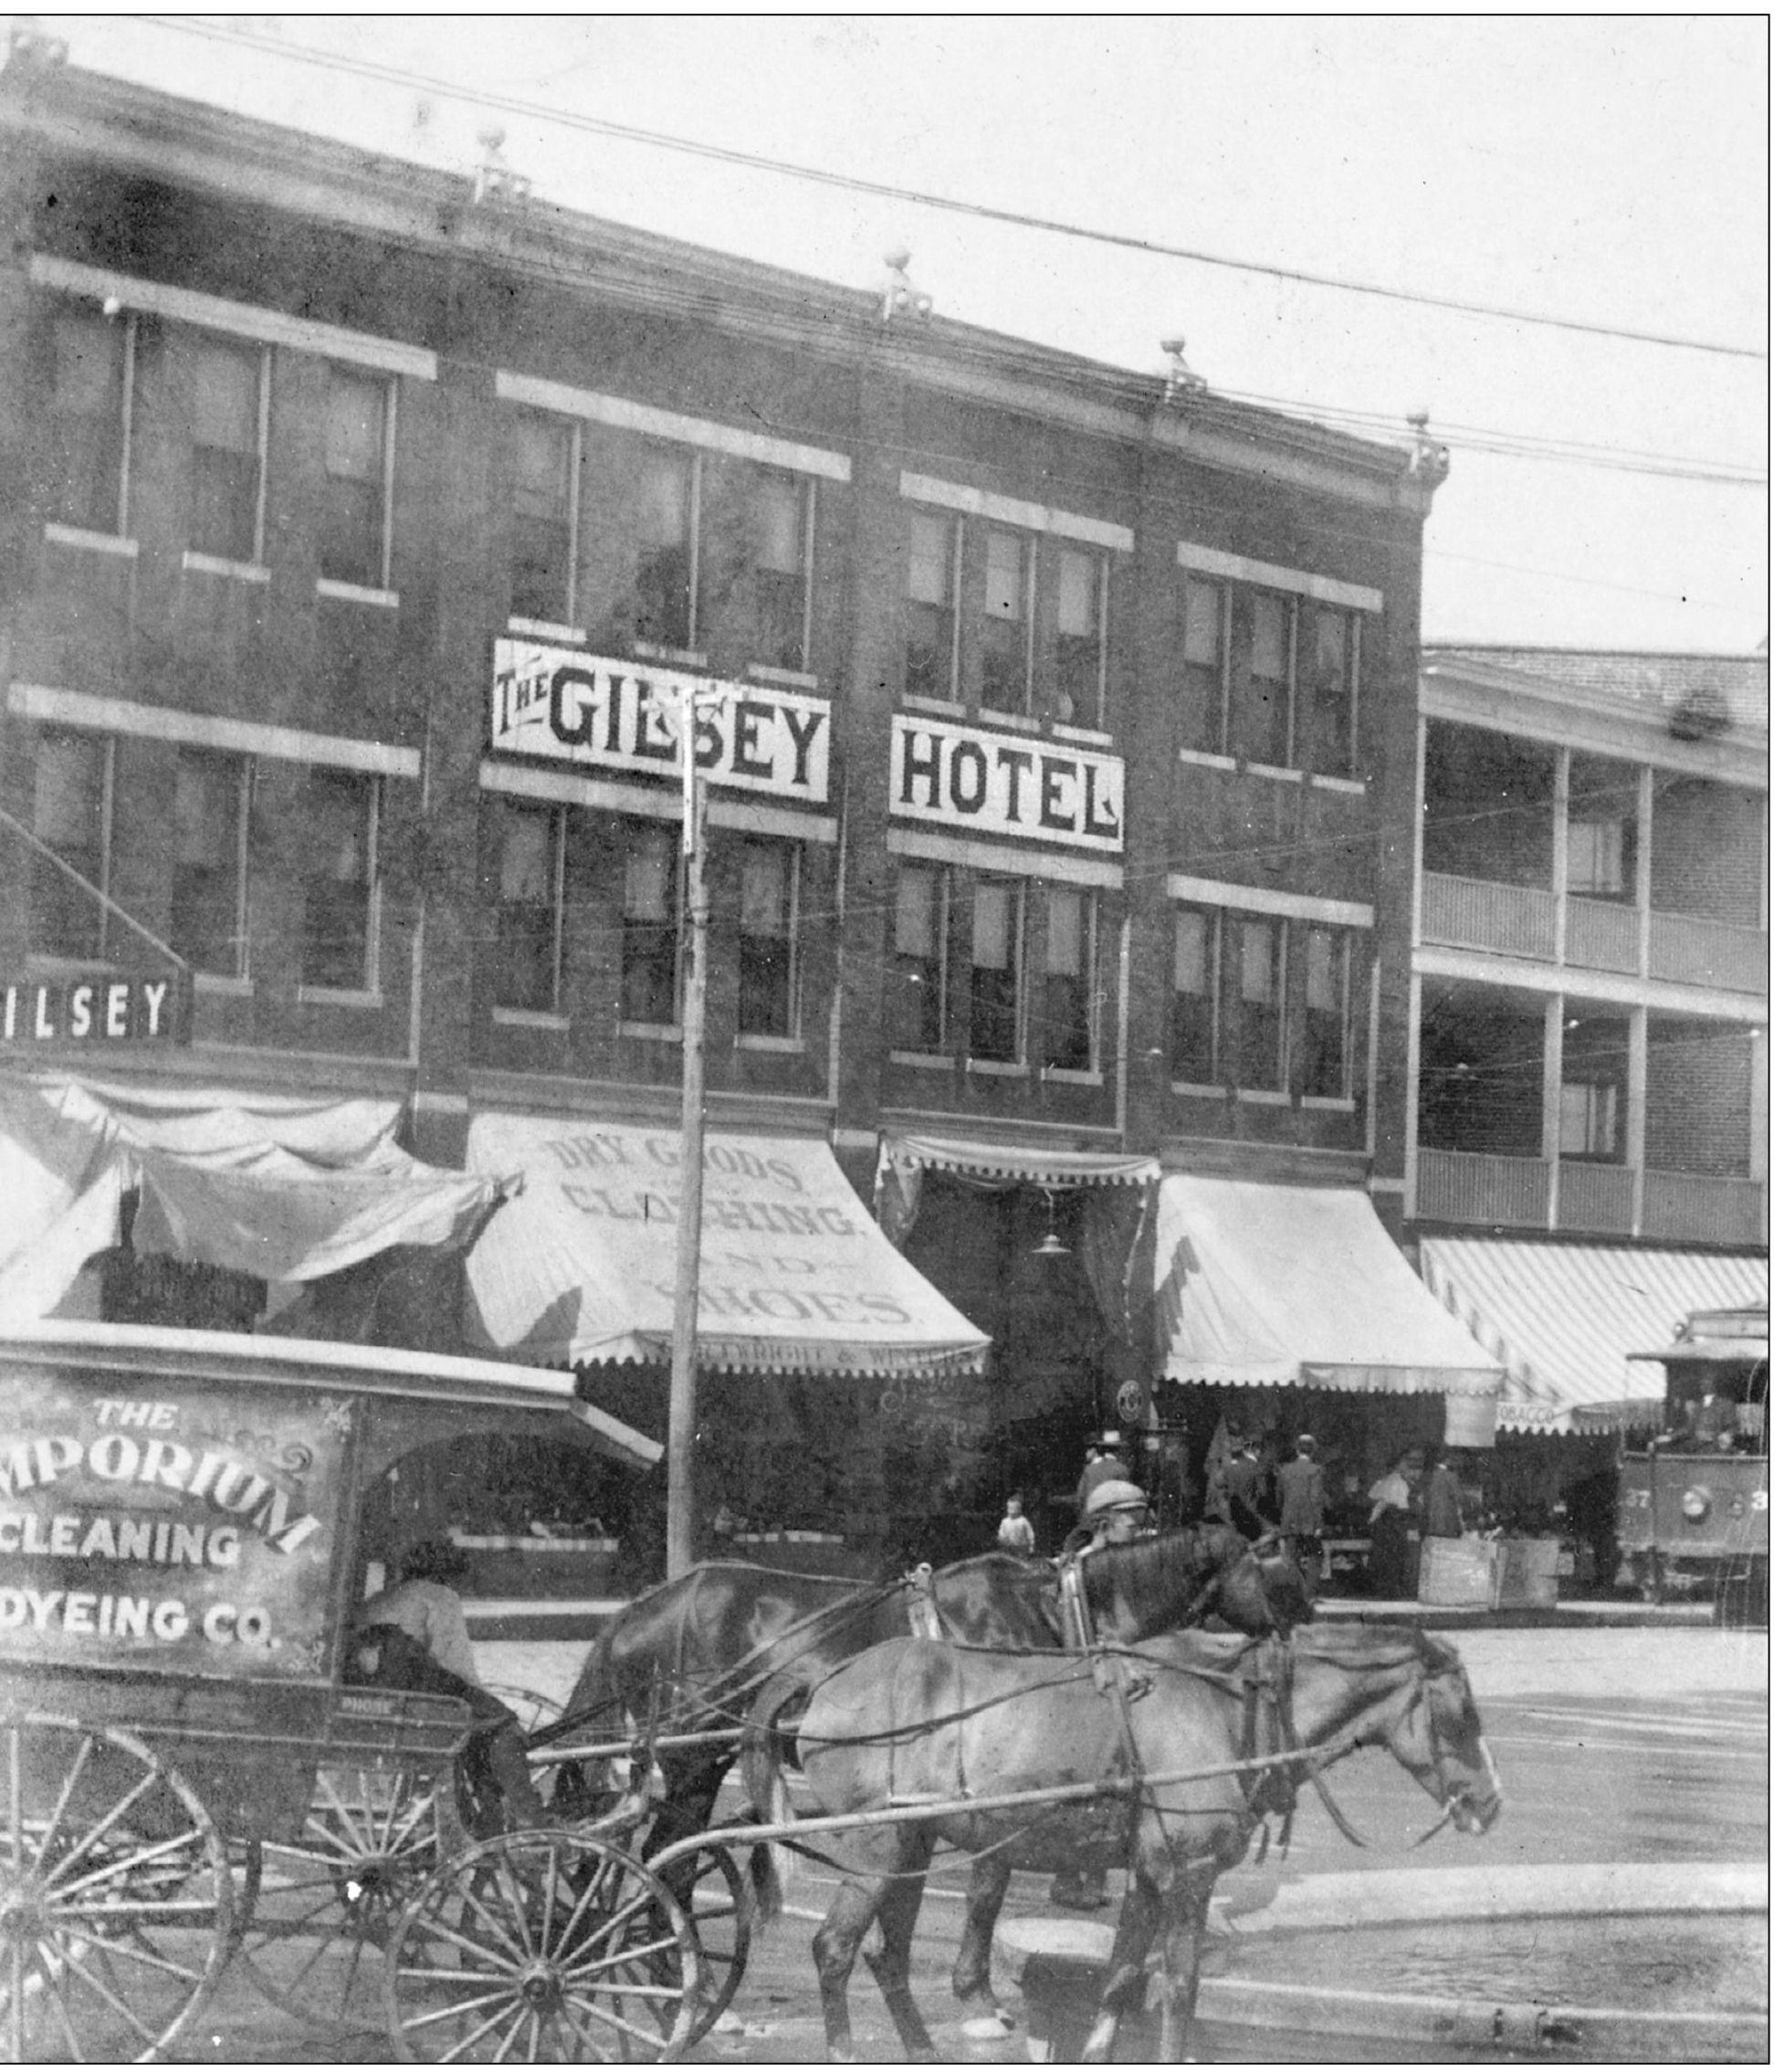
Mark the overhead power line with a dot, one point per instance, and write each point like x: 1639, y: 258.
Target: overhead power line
x: 512, y: 104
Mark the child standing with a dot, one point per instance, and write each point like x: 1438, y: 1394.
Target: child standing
x: 1015, y: 1535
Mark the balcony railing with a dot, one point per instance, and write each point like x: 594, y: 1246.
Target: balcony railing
x: 1603, y: 937
x: 1483, y: 1187
x: 1703, y: 1208
x: 1708, y: 952
x: 1598, y: 1198
x: 1469, y: 913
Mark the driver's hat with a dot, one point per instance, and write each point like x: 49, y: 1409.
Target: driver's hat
x: 1114, y: 1496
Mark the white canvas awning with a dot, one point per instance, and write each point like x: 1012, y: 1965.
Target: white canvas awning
x: 795, y: 1276
x: 1263, y: 1285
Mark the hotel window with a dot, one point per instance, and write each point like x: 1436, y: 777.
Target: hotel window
x: 1327, y: 722
x: 665, y: 570
x: 71, y: 815
x: 1204, y: 665
x: 528, y: 860
x: 994, y: 998
x: 91, y: 407
x: 1260, y: 1030
x: 207, y: 922
x: 1080, y: 645
x: 1590, y: 1119
x: 1068, y: 1033
x: 229, y: 450
x: 1262, y: 699
x: 1326, y: 1065
x: 1196, y: 998
x: 650, y: 928
x: 542, y: 571
x: 1003, y: 650
x: 919, y: 1017
x: 932, y: 599
x: 782, y: 549
x: 339, y: 950
x: 767, y: 929
x: 355, y: 544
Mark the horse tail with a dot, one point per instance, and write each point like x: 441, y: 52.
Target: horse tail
x: 761, y: 1760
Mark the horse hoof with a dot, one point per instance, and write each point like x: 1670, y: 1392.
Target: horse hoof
x: 988, y: 2028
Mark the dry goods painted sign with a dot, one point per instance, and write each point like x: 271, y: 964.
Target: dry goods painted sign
x: 977, y: 782
x: 190, y: 1528
x: 571, y: 707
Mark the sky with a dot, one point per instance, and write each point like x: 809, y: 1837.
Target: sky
x: 1611, y: 171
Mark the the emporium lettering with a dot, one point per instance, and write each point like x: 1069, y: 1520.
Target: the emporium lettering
x: 987, y: 783
x: 572, y: 707
x: 225, y: 1483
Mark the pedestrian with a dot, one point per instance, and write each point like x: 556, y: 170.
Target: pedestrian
x: 1393, y: 1531
x: 1237, y: 1495
x: 1301, y: 1502
x: 1015, y: 1535
x: 1442, y: 1501
x: 1102, y: 1463
x: 413, y: 1636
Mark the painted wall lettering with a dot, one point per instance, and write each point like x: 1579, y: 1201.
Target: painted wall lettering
x: 975, y: 781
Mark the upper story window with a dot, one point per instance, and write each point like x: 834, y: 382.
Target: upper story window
x: 339, y: 945
x: 71, y: 815
x: 917, y: 1008
x: 932, y: 597
x: 1326, y: 1056
x: 207, y: 918
x: 1004, y: 643
x: 229, y: 384
x: 1196, y: 997
x: 542, y: 570
x: 768, y: 936
x: 1590, y: 1118
x: 650, y: 928
x: 1260, y: 1020
x: 1595, y: 858
x: 994, y: 1019
x: 665, y: 545
x: 1263, y: 695
x: 1068, y: 1031
x: 1325, y: 721
x: 1080, y: 659
x: 1204, y: 664
x: 1603, y: 802
x: 782, y: 569
x: 529, y: 906
x: 91, y: 404
x: 358, y: 450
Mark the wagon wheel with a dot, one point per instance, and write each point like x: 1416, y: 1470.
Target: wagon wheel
x: 323, y: 1907
x: 545, y: 1946
x: 717, y: 1901
x: 117, y: 1907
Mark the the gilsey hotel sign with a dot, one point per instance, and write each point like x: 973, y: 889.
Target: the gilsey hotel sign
x: 571, y: 707
x: 1035, y: 788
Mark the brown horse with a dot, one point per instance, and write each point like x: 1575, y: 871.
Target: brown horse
x: 1168, y: 1727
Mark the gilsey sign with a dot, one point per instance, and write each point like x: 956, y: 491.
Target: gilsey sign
x: 598, y: 714
x: 1036, y: 789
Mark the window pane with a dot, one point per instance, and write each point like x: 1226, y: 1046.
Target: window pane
x: 781, y: 502
x: 68, y: 816
x: 1327, y: 1030
x: 208, y: 913
x: 1194, y: 1017
x: 930, y: 577
x: 338, y: 822
x: 1260, y: 1004
x: 528, y: 931
x: 226, y: 402
x: 650, y: 932
x: 665, y: 561
x: 542, y: 466
x: 544, y: 458
x: 226, y: 456
x: 766, y: 996
x: 780, y: 524
x: 1204, y: 667
x: 1078, y: 651
x: 1261, y: 698
x: 1257, y: 961
x: 1269, y: 638
x: 1003, y: 647
x: 1066, y: 920
x: 930, y: 611
x: 992, y: 939
x: 87, y: 421
x: 1322, y: 969
x: 354, y: 435
x: 1202, y: 614
x: 1079, y: 590
x: 993, y: 1010
x: 919, y: 946
x: 1325, y: 723
x: 1067, y: 1040
x: 352, y: 544
x: 1005, y: 568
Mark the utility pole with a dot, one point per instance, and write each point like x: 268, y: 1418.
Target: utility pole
x: 684, y: 1356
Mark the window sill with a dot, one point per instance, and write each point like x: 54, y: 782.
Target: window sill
x: 1066, y: 1076
x: 90, y: 543
x: 786, y: 1046
x: 1195, y: 1086
x: 356, y: 594
x: 1092, y: 737
x: 215, y: 564
x: 1264, y: 1096
x: 675, y: 658
x: 951, y: 706
x: 652, y: 1032
x: 1352, y: 787
x: 923, y: 1060
x: 221, y: 986
x: 1278, y: 774
x: 993, y: 715
x: 1206, y: 759
x: 794, y: 679
x: 1332, y: 1104
x: 549, y: 629
x: 338, y: 996
x: 997, y: 1068
x: 529, y: 1018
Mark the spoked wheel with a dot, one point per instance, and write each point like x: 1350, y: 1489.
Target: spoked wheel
x: 712, y: 1892
x: 117, y: 1906
x: 543, y: 1947
x: 532, y: 1708
x: 324, y: 1908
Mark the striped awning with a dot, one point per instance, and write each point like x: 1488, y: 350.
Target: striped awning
x: 1013, y: 1165
x: 1563, y: 1319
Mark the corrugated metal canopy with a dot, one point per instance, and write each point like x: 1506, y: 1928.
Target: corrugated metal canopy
x: 1564, y: 1318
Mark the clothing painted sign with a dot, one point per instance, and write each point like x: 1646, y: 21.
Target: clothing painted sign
x: 978, y: 783
x: 189, y: 1529
x: 599, y: 714
x: 99, y: 1007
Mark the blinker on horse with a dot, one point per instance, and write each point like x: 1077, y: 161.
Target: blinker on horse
x: 914, y: 1723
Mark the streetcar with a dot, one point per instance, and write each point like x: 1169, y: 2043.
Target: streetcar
x: 1694, y: 1501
